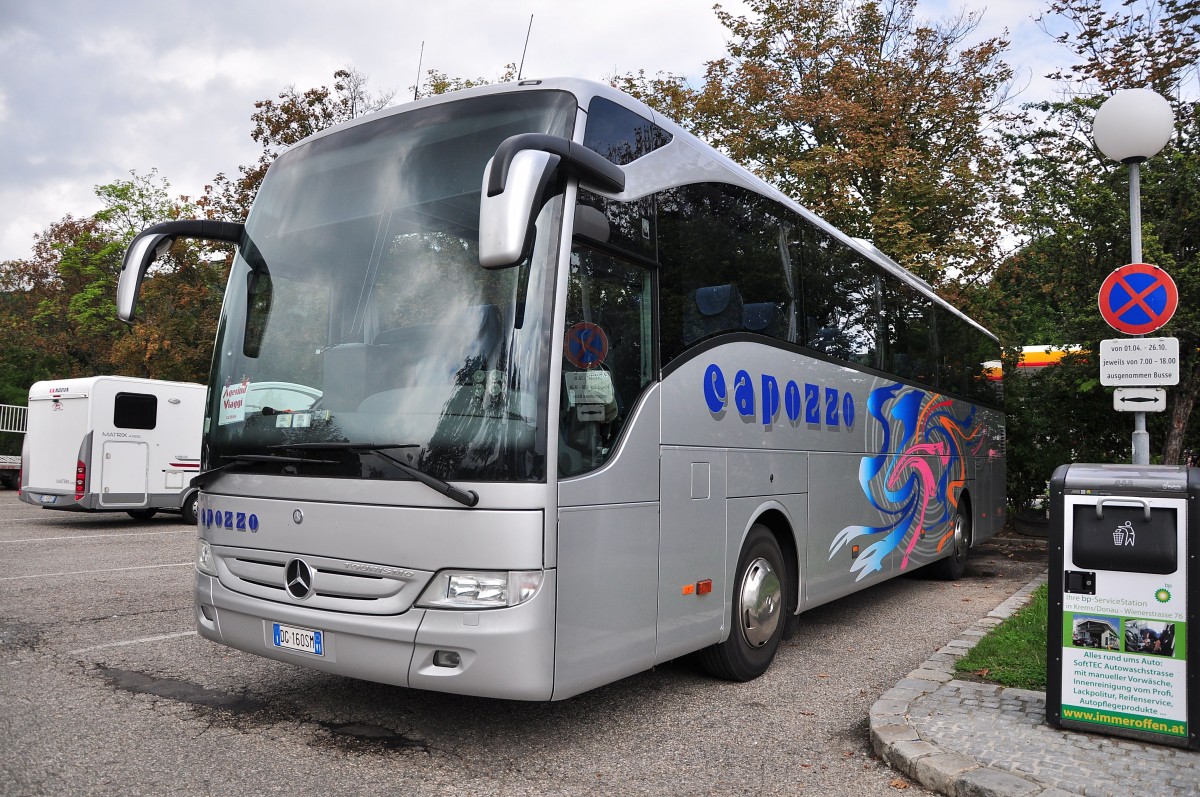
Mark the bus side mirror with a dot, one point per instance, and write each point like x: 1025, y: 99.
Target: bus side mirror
x: 515, y: 182
x: 506, y: 218
x: 152, y: 243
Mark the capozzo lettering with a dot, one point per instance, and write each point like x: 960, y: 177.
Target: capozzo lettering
x: 766, y: 399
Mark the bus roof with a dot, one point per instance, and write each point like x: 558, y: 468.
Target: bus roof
x: 691, y: 159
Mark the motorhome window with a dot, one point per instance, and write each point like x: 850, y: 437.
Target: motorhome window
x: 135, y: 411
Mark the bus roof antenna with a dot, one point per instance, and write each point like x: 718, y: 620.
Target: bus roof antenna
x: 521, y: 68
x: 420, y: 60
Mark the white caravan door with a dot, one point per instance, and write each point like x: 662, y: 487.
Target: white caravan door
x: 124, y: 472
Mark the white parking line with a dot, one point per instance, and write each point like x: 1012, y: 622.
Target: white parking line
x: 94, y: 536
x: 88, y: 572
x: 158, y: 638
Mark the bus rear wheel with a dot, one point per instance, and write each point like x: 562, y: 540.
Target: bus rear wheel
x: 759, y: 599
x: 952, y: 567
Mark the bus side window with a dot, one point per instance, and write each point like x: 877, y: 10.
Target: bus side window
x: 841, y: 300
x: 606, y: 356
x: 908, y: 335
x: 726, y: 266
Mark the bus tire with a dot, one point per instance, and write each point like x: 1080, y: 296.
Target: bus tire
x: 952, y: 567
x: 190, y: 506
x: 757, y: 613
x: 141, y: 514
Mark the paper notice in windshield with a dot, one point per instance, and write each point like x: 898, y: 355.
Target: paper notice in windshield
x: 233, y: 403
x: 589, y: 387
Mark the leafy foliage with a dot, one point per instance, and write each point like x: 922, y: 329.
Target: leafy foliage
x: 1074, y: 220
x: 286, y: 120
x: 878, y: 122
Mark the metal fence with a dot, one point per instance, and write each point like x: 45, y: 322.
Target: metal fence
x: 13, y: 418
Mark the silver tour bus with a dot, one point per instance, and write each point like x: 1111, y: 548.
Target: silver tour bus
x: 520, y: 390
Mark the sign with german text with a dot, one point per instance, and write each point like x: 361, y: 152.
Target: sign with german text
x: 1139, y: 362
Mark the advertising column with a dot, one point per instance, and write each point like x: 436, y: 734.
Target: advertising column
x: 1119, y: 634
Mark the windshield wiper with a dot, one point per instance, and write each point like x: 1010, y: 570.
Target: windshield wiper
x: 200, y: 479
x: 464, y: 497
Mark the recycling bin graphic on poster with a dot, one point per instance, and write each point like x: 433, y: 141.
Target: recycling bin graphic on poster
x: 1124, y: 630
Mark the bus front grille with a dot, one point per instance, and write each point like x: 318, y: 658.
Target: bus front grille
x: 323, y: 583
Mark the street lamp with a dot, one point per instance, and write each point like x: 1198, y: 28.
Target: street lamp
x: 1130, y: 127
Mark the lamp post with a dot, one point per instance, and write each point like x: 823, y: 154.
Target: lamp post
x: 1131, y: 127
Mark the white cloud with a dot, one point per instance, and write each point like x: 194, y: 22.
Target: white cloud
x: 90, y: 91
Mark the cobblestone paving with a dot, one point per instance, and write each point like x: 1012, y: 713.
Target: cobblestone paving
x: 1006, y: 729
x: 967, y: 739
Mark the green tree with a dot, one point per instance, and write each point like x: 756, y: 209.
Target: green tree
x: 437, y: 82
x: 58, y: 315
x: 880, y: 123
x: 283, y: 121
x: 1074, y: 220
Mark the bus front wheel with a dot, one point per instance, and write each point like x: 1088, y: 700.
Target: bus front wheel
x: 189, y: 511
x: 759, y: 599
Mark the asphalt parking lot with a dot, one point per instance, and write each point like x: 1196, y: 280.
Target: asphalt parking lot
x: 106, y: 689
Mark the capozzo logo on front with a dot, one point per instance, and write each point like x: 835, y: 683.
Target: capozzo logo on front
x: 226, y: 519
x: 810, y: 404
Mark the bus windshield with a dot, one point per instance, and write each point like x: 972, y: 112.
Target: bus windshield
x: 360, y: 335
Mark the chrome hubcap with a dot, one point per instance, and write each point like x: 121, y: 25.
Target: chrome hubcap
x: 760, y: 603
x: 960, y: 536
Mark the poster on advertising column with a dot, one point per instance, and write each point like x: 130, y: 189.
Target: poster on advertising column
x: 1124, y: 658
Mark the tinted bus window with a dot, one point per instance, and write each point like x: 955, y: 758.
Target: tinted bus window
x: 619, y: 134
x: 842, y: 301
x: 725, y: 266
x: 963, y: 351
x: 909, y: 340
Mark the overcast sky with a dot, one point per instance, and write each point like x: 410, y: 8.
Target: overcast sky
x: 93, y: 89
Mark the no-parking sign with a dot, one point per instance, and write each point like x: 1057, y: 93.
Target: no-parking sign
x: 1138, y: 298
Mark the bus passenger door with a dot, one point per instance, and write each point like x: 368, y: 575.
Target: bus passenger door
x: 608, y: 437
x: 692, y: 550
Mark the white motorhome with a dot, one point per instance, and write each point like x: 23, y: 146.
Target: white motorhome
x: 113, y: 444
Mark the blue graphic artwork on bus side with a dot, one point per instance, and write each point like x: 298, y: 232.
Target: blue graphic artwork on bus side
x: 234, y: 521
x: 916, y: 479
x: 771, y: 399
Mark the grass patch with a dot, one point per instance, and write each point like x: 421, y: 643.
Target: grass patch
x: 1014, y: 652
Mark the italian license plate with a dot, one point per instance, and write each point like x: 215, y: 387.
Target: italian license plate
x: 302, y: 639
x: 48, y: 499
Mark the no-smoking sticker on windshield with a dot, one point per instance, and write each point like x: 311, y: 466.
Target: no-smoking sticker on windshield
x: 586, y: 345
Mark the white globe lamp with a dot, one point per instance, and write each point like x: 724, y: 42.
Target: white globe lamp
x: 1133, y: 125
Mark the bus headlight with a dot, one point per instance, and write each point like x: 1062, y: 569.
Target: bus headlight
x: 204, y: 558
x: 468, y: 589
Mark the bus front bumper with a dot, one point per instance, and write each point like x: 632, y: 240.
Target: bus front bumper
x: 502, y: 653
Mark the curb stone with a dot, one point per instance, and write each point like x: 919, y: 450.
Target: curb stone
x: 897, y: 741
x: 971, y: 739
